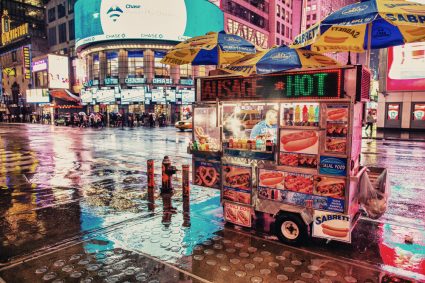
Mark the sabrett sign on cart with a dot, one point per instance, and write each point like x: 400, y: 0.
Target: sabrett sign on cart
x: 319, y: 84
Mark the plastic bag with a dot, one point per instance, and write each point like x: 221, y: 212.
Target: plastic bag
x: 374, y: 196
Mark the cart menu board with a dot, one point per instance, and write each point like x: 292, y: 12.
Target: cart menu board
x: 299, y: 148
x: 237, y: 183
x: 327, y: 193
x: 336, y: 128
x: 208, y: 174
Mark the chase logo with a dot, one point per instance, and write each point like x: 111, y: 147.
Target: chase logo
x: 114, y: 13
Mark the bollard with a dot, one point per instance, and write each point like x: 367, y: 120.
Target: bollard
x: 151, y: 175
x: 167, y: 173
x: 185, y: 181
x: 151, y: 185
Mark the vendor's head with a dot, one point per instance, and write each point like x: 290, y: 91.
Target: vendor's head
x: 271, y: 117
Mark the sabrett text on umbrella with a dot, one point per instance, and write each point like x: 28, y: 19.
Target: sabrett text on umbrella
x: 406, y: 18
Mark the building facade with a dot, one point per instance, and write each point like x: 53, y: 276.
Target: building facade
x: 122, y: 69
x: 401, y: 96
x: 23, y: 36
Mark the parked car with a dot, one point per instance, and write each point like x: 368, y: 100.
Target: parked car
x: 184, y: 124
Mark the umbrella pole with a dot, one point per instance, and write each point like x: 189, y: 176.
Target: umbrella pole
x: 369, y: 43
x: 349, y: 58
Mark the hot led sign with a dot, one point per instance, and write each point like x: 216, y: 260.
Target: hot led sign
x: 314, y: 84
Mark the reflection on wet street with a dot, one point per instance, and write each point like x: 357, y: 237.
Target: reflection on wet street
x: 74, y: 207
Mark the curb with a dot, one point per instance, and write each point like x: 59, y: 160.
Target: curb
x: 393, y: 139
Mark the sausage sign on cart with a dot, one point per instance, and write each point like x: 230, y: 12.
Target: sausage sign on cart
x: 285, y: 145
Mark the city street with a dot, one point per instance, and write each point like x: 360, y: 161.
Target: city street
x: 74, y: 208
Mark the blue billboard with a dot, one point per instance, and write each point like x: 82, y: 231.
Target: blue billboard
x: 174, y: 20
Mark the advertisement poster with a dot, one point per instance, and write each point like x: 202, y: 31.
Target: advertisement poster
x: 393, y: 111
x: 237, y: 214
x: 132, y: 95
x: 250, y: 121
x: 296, y: 189
x: 38, y: 95
x: 419, y: 112
x: 207, y: 134
x: 405, y: 67
x: 333, y: 226
x: 336, y: 128
x: 330, y: 187
x: 237, y: 183
x: 174, y: 20
x: 333, y: 166
x: 207, y: 174
x: 27, y: 61
x: 300, y: 114
x: 58, y: 71
x: 299, y: 141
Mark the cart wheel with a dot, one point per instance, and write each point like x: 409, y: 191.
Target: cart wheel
x: 290, y: 229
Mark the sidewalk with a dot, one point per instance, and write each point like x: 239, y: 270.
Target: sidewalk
x: 396, y: 134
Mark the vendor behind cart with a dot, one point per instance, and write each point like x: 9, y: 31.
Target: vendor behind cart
x: 266, y: 127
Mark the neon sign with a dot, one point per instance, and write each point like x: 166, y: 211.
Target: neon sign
x: 308, y: 84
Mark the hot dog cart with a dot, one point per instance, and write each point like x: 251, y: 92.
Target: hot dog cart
x: 284, y: 149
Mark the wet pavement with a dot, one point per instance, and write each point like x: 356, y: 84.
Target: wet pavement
x: 74, y: 208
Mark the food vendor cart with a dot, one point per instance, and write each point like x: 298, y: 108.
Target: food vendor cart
x: 286, y: 146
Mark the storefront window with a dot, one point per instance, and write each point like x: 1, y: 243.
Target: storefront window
x: 40, y: 79
x: 419, y: 112
x: 96, y: 67
x: 112, y: 64
x: 186, y: 71
x: 161, y: 70
x: 135, y: 64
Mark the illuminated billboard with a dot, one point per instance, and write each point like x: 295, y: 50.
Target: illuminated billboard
x: 37, y: 95
x: 58, y: 68
x: 406, y: 70
x: 174, y: 20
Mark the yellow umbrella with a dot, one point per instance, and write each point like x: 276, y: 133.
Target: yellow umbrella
x: 279, y: 59
x: 210, y: 49
x: 366, y: 25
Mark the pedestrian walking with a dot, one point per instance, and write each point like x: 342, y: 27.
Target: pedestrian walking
x: 370, y: 121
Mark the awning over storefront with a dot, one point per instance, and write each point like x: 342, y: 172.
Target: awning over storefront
x: 65, y: 95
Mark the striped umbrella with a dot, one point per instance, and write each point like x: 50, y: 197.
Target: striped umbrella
x: 279, y: 59
x: 366, y: 25
x: 214, y: 48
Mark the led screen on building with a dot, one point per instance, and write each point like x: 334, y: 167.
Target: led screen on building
x: 175, y: 20
x: 406, y: 70
x: 58, y: 67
